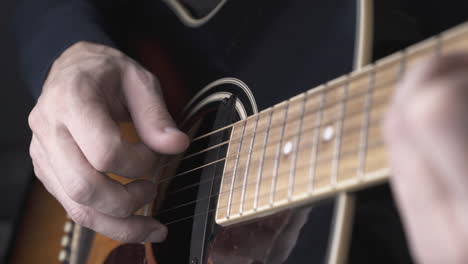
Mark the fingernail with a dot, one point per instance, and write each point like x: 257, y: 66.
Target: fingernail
x: 157, y: 235
x: 172, y: 130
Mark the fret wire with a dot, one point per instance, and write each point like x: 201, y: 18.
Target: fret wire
x: 277, y: 156
x: 313, y: 155
x: 228, y: 210
x: 378, y: 144
x: 352, y: 129
x: 313, y: 111
x: 228, y: 157
x: 260, y: 166
x: 244, y: 184
x: 346, y: 154
x: 338, y: 138
x: 292, y: 172
x: 371, y: 103
x: 365, y: 125
x: 438, y: 38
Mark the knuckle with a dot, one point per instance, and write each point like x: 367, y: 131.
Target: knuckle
x: 34, y: 119
x: 38, y: 172
x: 122, y: 211
x: 33, y: 152
x: 81, y: 216
x: 151, y: 79
x: 106, y: 157
x: 81, y: 192
x: 142, y: 75
x: 122, y: 207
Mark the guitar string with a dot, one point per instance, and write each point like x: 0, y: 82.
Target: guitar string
x: 349, y: 132
x: 435, y: 50
x: 245, y: 186
x: 194, y: 185
x: 357, y: 96
x: 186, y: 204
x: 181, y: 219
x: 401, y: 64
x: 343, y: 100
x: 371, y: 67
x: 249, y: 183
x: 331, y: 122
x: 265, y: 195
x: 309, y: 112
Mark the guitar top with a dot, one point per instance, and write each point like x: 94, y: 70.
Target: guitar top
x: 274, y: 165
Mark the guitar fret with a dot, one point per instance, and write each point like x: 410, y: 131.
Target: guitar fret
x: 262, y: 159
x: 244, y: 184
x: 338, y: 138
x: 292, y: 171
x: 315, y: 141
x: 320, y: 165
x: 278, y: 151
x: 365, y: 126
x: 234, y: 173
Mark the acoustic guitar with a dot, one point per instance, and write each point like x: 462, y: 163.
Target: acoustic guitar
x: 273, y: 166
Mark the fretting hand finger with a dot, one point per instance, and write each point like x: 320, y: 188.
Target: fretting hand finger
x: 426, y: 132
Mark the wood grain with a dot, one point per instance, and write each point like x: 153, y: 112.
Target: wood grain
x: 41, y: 229
x: 325, y: 141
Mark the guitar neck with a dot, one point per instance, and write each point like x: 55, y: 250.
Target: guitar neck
x: 321, y: 142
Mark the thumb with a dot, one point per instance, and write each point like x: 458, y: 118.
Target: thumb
x: 153, y: 122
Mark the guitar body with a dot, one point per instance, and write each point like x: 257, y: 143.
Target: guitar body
x: 266, y: 56
x: 246, y: 57
x: 239, y: 66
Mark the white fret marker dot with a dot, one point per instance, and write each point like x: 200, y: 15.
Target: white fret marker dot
x: 287, y: 148
x: 328, y: 133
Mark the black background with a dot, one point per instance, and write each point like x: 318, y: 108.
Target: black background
x: 15, y: 104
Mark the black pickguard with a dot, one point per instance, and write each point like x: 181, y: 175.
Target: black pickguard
x: 279, y: 49
x: 191, y: 234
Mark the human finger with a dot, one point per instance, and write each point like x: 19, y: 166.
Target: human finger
x: 146, y: 104
x: 130, y: 229
x: 98, y: 137
x: 86, y: 186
